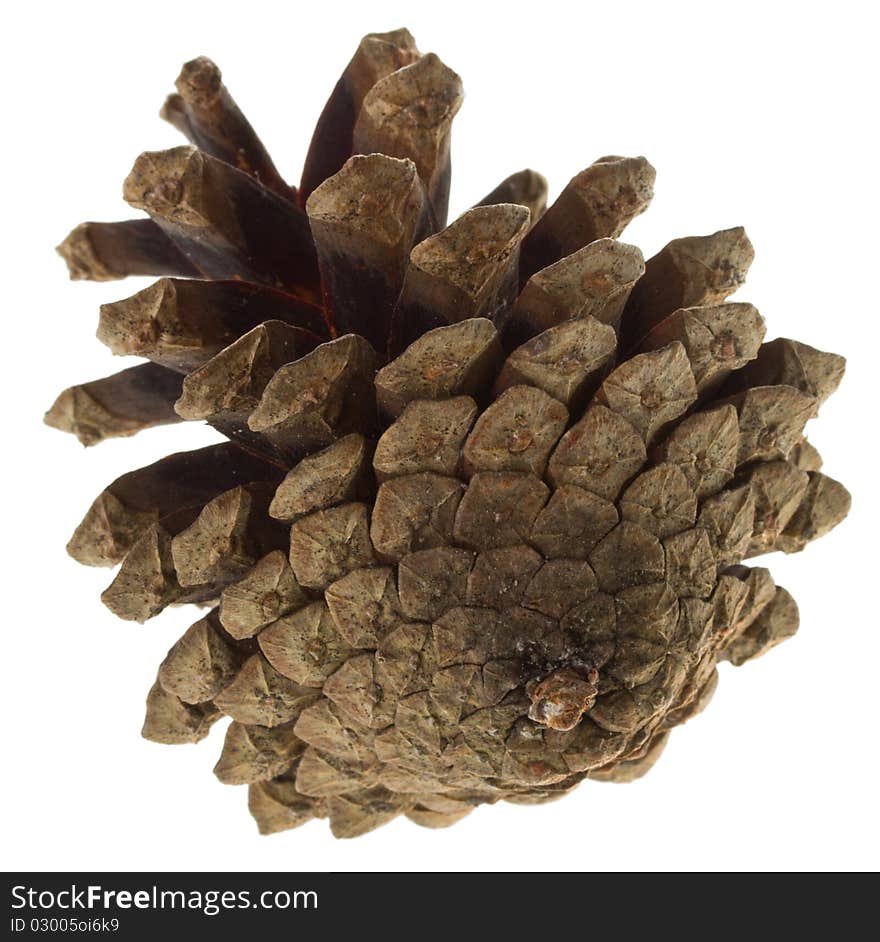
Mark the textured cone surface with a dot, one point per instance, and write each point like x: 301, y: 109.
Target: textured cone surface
x: 478, y: 532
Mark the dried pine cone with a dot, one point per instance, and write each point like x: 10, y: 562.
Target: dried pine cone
x: 477, y: 532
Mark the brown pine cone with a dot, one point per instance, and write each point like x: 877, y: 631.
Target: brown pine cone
x: 478, y: 529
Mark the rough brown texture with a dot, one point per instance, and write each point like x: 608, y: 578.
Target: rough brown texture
x: 479, y: 530
x: 409, y: 114
x: 526, y: 187
x: 205, y: 112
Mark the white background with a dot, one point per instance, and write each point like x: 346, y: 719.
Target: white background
x: 754, y: 113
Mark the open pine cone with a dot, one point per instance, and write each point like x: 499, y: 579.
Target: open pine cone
x: 477, y: 532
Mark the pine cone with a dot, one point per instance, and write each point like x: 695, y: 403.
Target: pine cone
x: 478, y: 529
